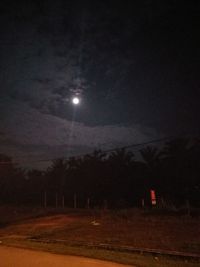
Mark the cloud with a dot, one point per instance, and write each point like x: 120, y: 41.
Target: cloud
x: 26, y: 132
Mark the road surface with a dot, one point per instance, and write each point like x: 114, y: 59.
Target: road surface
x: 17, y: 257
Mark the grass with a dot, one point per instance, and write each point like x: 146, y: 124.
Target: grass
x: 128, y: 227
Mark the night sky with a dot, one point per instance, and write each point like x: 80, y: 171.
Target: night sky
x: 134, y: 65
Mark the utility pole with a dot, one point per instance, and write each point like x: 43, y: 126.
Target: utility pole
x: 63, y: 201
x: 45, y: 199
x: 88, y: 203
x: 75, y: 204
x: 56, y: 199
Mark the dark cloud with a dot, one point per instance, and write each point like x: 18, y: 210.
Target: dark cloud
x: 29, y: 134
x: 132, y: 63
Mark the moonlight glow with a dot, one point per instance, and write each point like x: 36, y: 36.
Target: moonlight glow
x: 75, y: 100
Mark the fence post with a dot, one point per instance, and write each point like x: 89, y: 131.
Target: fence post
x: 88, y: 203
x: 45, y: 199
x: 56, y: 199
x: 75, y: 201
x: 63, y: 201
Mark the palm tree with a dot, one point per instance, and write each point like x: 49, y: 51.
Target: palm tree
x: 194, y: 181
x: 176, y: 170
x: 176, y: 149
x: 56, y: 177
x: 151, y: 157
x: 93, y: 175
x: 35, y: 186
x: 121, y: 156
x: 11, y: 180
x: 120, y: 177
x: 96, y: 156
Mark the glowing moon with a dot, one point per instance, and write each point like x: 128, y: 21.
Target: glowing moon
x: 75, y: 100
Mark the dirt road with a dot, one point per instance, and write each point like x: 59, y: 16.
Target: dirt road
x: 17, y: 257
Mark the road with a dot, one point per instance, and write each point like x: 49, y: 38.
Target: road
x: 17, y: 257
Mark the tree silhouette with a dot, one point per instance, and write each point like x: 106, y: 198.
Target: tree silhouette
x: 151, y: 169
x: 121, y: 176
x: 92, y: 171
x: 151, y: 157
x: 35, y: 186
x: 116, y: 178
x: 175, y: 168
x: 193, y: 181
x: 11, y: 181
x: 56, y: 178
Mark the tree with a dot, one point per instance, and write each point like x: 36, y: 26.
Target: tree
x: 175, y: 168
x: 151, y: 170
x: 121, y: 176
x: 151, y: 157
x: 193, y: 180
x: 35, y: 186
x: 55, y: 178
x: 11, y: 181
x: 92, y: 172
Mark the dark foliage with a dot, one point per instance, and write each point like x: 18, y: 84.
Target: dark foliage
x: 114, y: 180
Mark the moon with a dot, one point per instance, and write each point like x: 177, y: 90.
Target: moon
x: 75, y: 100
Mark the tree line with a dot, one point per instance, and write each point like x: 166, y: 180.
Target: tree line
x: 115, y: 180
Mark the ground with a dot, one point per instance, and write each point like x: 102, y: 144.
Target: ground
x: 23, y: 258
x: 135, y: 228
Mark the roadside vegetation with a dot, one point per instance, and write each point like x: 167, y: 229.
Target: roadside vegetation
x: 114, y: 180
x: 105, y: 198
